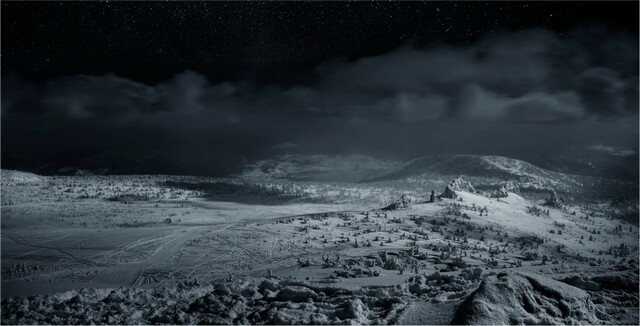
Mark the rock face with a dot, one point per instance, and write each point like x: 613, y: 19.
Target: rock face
x: 403, y: 203
x: 553, y: 200
x: 522, y: 298
x: 458, y: 184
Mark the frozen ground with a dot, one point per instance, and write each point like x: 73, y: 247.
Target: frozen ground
x: 164, y: 249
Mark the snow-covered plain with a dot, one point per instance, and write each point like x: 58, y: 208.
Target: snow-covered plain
x: 186, y: 250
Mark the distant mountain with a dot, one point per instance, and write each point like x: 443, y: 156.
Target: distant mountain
x: 469, y: 165
x: 487, y: 172
x: 598, y: 161
x: 367, y: 169
x: 128, y: 162
x: 347, y: 168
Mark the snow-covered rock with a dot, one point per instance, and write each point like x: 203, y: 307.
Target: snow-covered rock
x: 522, y: 298
x: 505, y: 189
x: 234, y: 302
x: 449, y: 193
x: 458, y: 184
x: 403, y: 202
x: 500, y: 193
x: 553, y: 200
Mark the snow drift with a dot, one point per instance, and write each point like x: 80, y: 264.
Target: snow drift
x: 522, y: 298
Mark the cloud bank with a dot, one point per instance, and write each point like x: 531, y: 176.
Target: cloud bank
x: 529, y: 80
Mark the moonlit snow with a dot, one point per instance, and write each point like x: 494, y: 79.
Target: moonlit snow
x: 271, y: 248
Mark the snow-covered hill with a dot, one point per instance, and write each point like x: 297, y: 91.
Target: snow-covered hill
x: 470, y: 165
x: 15, y: 177
x: 489, y: 173
x: 597, y: 161
x: 348, y: 168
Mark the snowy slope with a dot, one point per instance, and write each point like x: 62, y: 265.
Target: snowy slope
x: 13, y: 176
x: 487, y: 172
x: 180, y: 258
x: 497, y: 167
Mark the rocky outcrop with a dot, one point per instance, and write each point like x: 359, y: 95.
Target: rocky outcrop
x: 505, y: 189
x: 449, y: 193
x: 512, y: 187
x: 403, y: 203
x: 500, y: 193
x: 553, y: 200
x: 458, y: 184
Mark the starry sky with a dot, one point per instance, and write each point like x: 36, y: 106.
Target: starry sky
x: 172, y: 85
x: 270, y: 42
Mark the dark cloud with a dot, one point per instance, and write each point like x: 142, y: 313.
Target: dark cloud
x: 527, y: 77
x: 517, y: 72
x: 485, y: 80
x: 601, y: 91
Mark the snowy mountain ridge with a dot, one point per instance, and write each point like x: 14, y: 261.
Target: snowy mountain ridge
x: 488, y: 172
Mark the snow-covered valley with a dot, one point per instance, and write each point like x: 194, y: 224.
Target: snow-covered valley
x: 168, y: 249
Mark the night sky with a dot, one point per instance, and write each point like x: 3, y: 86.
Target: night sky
x: 201, y: 87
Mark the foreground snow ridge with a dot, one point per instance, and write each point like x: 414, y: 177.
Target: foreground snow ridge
x: 237, y: 302
x: 523, y: 298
